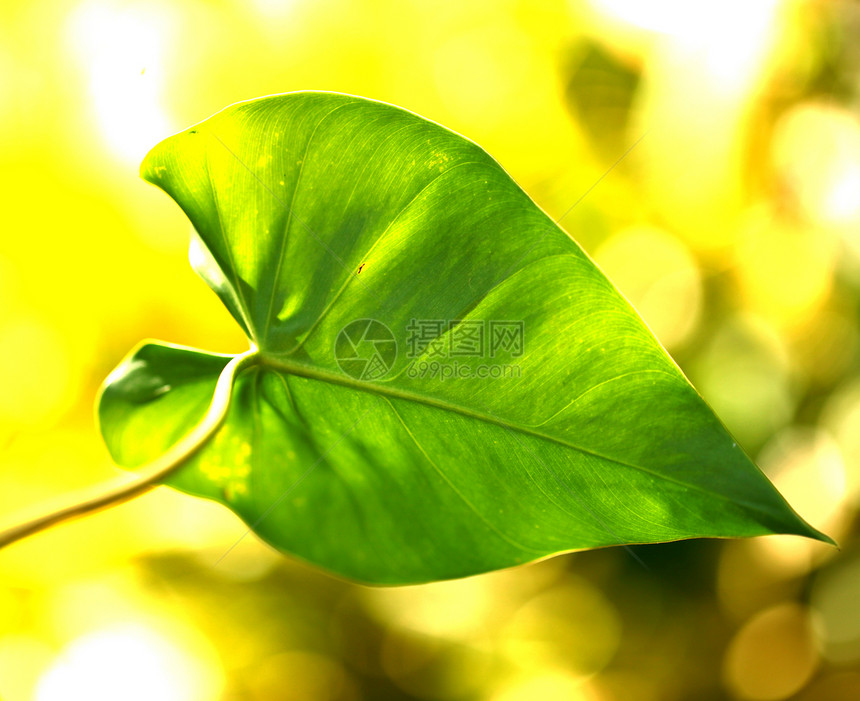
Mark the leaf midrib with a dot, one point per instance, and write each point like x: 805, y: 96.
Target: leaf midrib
x: 315, y: 373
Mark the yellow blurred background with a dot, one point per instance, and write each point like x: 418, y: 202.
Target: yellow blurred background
x: 706, y: 154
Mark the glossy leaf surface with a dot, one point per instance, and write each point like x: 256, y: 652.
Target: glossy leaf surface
x: 371, y: 256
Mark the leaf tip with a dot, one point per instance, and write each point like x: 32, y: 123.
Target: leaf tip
x: 822, y: 537
x: 802, y: 528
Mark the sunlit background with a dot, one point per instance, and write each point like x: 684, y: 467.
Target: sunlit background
x: 706, y: 154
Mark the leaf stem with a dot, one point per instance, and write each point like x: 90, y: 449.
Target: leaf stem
x: 148, y: 476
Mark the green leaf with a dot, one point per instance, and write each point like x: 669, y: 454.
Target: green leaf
x: 336, y: 230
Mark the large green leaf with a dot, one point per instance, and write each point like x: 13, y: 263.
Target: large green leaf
x: 330, y: 225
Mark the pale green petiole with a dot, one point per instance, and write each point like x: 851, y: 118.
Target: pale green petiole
x: 151, y: 475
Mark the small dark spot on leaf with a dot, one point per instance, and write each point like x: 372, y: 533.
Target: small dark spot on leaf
x: 193, y: 131
x: 360, y: 267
